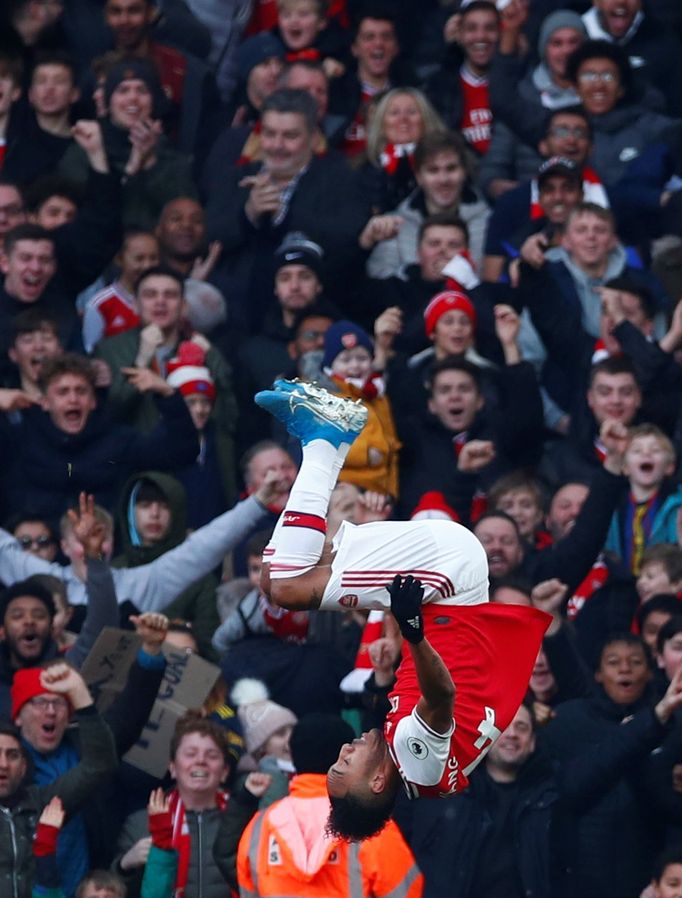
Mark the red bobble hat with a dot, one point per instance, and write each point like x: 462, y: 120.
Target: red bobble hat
x: 25, y: 686
x: 444, y: 302
x: 188, y: 373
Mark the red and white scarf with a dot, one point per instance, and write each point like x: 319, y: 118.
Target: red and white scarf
x: 181, y: 838
x: 392, y: 153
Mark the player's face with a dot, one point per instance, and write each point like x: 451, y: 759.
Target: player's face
x: 356, y: 761
x: 623, y: 672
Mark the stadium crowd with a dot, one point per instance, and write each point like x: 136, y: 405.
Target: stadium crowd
x: 468, y: 217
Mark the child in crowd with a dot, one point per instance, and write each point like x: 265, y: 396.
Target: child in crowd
x: 353, y: 365
x: 304, y: 31
x: 660, y: 571
x: 522, y: 498
x: 53, y: 201
x: 649, y: 462
x: 653, y: 614
x: 113, y: 311
x: 208, y: 480
x: 267, y: 731
x: 254, y: 615
x: 666, y: 881
x: 47, y: 880
x: 669, y: 647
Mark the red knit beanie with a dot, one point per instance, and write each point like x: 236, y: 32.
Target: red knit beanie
x: 25, y: 686
x: 444, y: 302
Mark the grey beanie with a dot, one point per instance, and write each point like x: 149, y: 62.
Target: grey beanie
x: 560, y: 18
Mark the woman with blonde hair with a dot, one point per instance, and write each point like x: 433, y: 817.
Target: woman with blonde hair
x: 400, y: 119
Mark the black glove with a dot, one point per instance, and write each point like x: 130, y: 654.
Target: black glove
x: 406, y: 606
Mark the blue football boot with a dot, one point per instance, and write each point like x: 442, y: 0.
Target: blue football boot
x: 311, y: 413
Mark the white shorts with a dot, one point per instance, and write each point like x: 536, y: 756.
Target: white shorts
x: 447, y: 558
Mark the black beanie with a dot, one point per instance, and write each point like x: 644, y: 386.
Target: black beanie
x: 316, y: 742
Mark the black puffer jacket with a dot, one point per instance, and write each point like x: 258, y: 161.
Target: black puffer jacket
x: 18, y: 821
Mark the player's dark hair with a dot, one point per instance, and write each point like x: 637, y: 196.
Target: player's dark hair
x: 354, y: 820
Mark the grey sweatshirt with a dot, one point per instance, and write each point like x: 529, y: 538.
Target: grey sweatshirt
x: 151, y: 586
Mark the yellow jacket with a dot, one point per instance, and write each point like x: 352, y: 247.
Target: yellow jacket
x: 372, y: 463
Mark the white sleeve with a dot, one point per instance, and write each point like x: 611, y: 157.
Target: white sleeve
x: 421, y: 753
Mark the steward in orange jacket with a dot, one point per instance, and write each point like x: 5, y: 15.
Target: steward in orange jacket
x: 286, y: 852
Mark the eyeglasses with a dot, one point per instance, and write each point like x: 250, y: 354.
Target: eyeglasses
x: 590, y: 77
x: 311, y: 335
x: 563, y: 131
x: 42, y: 703
x: 40, y: 542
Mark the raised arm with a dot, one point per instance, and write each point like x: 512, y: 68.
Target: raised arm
x: 98, y: 755
x: 436, y: 705
x: 101, y: 593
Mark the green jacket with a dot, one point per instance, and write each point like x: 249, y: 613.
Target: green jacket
x: 197, y: 604
x: 18, y: 821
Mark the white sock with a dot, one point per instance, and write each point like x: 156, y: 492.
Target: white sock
x: 298, y: 539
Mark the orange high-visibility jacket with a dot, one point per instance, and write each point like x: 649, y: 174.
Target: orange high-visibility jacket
x: 285, y: 853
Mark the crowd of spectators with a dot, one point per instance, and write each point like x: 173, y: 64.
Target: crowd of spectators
x: 466, y: 215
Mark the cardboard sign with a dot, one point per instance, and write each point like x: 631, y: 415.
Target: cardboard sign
x: 187, y: 681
